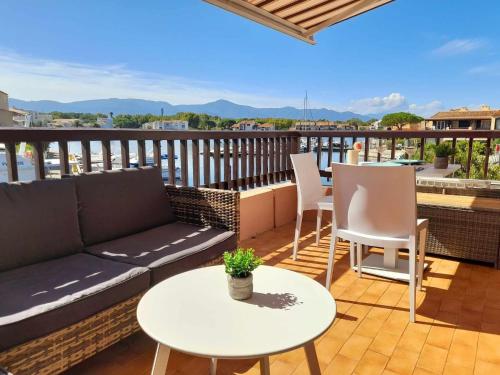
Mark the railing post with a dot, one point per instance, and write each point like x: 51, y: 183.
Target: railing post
x: 319, y: 151
x: 171, y: 161
x: 227, y: 165
x: 271, y: 161
x: 341, y: 150
x: 184, y: 163
x: 157, y: 153
x: 206, y: 162
x: 265, y: 162
x: 106, y: 155
x: 244, y: 164
x: 454, y: 147
x: 11, y: 159
x: 87, y: 158
x: 39, y: 161
x: 217, y: 173
x: 422, y: 148
x: 283, y: 152
x: 258, y: 159
x: 486, y: 158
x: 63, y: 158
x: 195, y: 149
x: 235, y: 165
x: 367, y: 148
x: 469, y: 157
x: 141, y: 152
x: 330, y: 151
x: 251, y: 162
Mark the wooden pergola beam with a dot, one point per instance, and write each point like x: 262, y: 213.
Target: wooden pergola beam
x: 298, y: 18
x: 256, y: 14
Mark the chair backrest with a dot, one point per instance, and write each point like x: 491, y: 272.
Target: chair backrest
x: 371, y: 200
x: 309, y: 188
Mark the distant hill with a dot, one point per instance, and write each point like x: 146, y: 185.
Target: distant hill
x: 222, y: 108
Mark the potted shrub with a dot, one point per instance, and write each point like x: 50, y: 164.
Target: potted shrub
x: 442, y: 152
x: 239, y: 266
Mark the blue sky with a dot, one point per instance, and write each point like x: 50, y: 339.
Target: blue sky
x: 418, y: 55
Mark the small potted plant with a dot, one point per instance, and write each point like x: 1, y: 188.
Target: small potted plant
x: 239, y: 266
x: 442, y: 152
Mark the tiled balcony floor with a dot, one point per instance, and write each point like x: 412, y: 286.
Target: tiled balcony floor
x: 458, y: 328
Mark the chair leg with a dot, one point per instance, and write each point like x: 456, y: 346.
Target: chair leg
x: 318, y: 225
x: 352, y: 254
x: 298, y: 225
x: 421, y: 257
x: 360, y: 259
x: 412, y: 268
x: 331, y: 259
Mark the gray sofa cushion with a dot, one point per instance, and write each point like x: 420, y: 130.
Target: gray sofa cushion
x: 41, y: 298
x: 38, y: 222
x: 117, y: 203
x: 169, y: 249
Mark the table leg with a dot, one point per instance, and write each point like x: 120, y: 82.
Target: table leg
x: 312, y: 358
x: 390, y: 257
x: 213, y: 366
x: 264, y: 366
x: 161, y: 360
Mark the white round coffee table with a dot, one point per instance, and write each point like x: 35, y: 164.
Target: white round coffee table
x: 193, y: 313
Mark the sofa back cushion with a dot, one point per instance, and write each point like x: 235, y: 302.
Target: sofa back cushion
x: 38, y: 222
x: 118, y: 203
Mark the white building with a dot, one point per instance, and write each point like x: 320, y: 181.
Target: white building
x: 166, y: 125
x: 6, y: 115
x: 250, y: 125
x: 105, y: 122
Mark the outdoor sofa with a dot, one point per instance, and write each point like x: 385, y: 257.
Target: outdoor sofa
x: 77, y: 254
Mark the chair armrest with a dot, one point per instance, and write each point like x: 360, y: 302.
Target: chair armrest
x: 208, y: 207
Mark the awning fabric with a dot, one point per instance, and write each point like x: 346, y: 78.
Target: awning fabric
x: 299, y: 18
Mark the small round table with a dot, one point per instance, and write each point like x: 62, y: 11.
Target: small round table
x: 193, y: 313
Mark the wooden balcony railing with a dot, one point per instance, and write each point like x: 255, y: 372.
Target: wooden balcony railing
x: 217, y: 159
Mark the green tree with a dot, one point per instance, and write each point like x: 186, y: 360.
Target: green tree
x: 400, y: 119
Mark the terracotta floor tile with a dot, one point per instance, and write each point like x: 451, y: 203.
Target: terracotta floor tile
x: 462, y: 355
x: 413, y: 339
x: 432, y: 359
x: 488, y: 348
x: 371, y: 363
x: 355, y: 347
x: 369, y: 327
x: 341, y: 365
x: 440, y: 337
x: 452, y: 369
x: 402, y: 361
x: 486, y: 368
x: 385, y: 343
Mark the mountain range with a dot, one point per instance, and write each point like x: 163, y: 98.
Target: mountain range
x: 222, y: 108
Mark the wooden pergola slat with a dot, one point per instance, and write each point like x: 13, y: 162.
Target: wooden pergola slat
x: 299, y: 18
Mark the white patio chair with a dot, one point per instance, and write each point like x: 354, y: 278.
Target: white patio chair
x: 377, y: 206
x: 310, y: 194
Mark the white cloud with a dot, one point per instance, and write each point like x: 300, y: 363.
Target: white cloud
x: 36, y: 79
x: 392, y: 102
x: 426, y: 109
x: 459, y: 47
x: 492, y: 70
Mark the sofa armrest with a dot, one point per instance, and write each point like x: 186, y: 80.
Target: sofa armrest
x: 203, y: 206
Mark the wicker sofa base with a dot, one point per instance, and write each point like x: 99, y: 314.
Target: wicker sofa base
x: 59, y: 351
x: 462, y: 233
